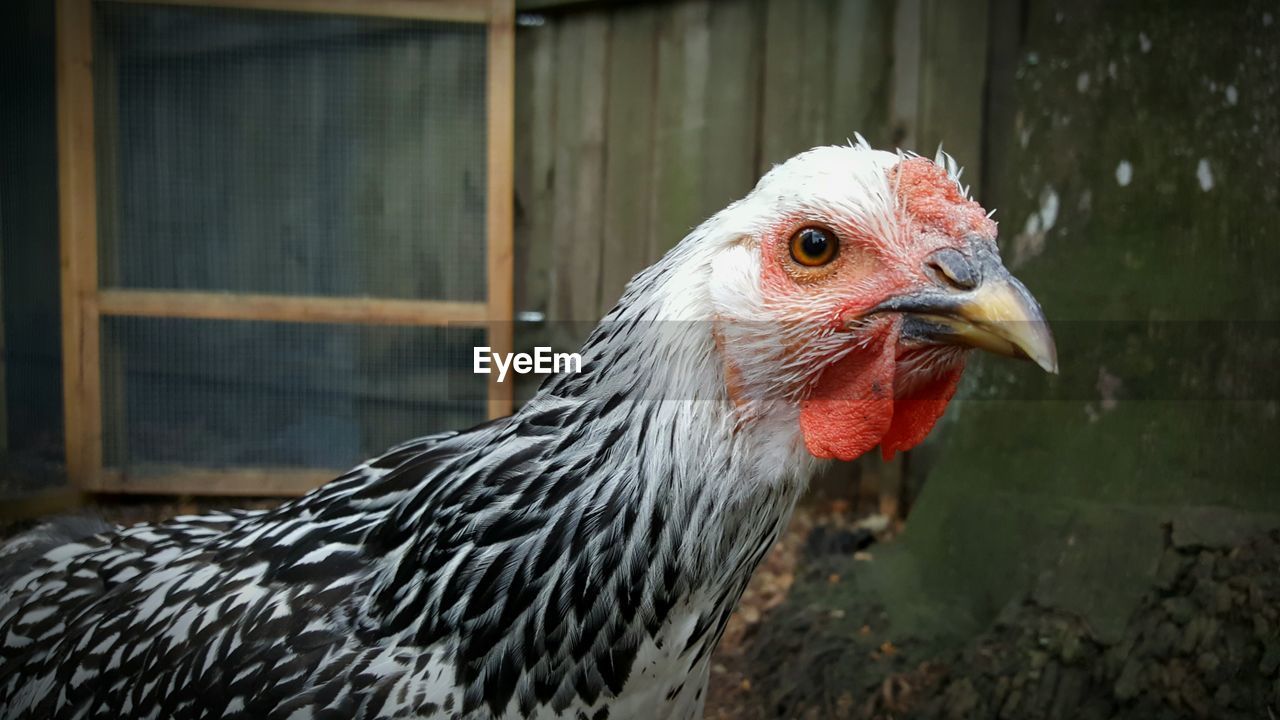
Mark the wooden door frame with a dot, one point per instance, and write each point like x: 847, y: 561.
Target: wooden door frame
x: 85, y: 302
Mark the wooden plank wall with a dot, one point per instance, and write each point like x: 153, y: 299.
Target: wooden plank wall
x: 636, y: 121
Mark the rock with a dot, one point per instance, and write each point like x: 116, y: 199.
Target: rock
x: 1261, y: 627
x: 1222, y: 698
x: 1223, y: 599
x: 1070, y: 649
x: 1127, y: 685
x: 1191, y: 634
x: 1001, y: 692
x: 1169, y: 569
x: 1209, y: 634
x: 1203, y: 567
x: 1270, y: 658
x: 1180, y: 609
x: 826, y: 540
x: 1046, y: 690
x: 1010, y: 708
x: 1204, y: 648
x: 1163, y: 640
x: 1070, y: 692
x: 1194, y: 695
x: 1205, y: 592
x: 962, y: 699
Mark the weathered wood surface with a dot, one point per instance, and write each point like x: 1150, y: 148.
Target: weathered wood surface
x: 953, y: 76
x: 500, y: 142
x: 77, y: 218
x: 629, y: 141
x: 636, y: 122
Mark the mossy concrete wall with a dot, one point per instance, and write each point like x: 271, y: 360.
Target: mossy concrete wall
x: 1133, y: 155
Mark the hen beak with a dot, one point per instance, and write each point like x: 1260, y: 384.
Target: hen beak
x: 986, y: 307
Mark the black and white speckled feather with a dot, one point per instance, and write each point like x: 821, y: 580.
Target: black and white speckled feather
x: 578, y: 559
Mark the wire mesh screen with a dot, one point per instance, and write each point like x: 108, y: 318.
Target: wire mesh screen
x: 286, y: 154
x: 267, y: 152
x: 232, y: 394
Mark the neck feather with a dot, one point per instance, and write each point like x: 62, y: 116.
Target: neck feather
x: 566, y: 535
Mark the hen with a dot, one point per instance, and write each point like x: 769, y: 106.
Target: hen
x: 580, y: 558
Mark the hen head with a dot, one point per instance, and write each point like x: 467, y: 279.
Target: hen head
x: 847, y: 288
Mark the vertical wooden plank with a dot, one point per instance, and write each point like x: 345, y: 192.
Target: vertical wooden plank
x: 683, y: 59
x: 629, y: 138
x: 906, y: 73
x: 77, y: 215
x: 953, y: 76
x: 861, y: 71
x: 589, y: 194
x: 500, y: 115
x: 579, y: 167
x: 814, y: 55
x: 568, y: 72
x: 796, y: 78
x: 535, y: 123
x: 534, y: 84
x: 781, y: 77
x: 730, y: 139
x: 542, y: 157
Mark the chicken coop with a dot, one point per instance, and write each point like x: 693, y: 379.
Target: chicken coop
x: 284, y: 225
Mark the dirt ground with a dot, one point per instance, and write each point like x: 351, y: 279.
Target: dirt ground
x: 818, y: 528
x: 1204, y: 644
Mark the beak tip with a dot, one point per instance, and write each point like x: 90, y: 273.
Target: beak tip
x: 1040, y: 348
x: 1037, y: 345
x: 1048, y: 364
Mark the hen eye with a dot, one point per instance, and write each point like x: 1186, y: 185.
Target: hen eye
x: 813, y: 246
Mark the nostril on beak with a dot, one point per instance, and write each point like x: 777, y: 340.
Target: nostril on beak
x: 953, y: 268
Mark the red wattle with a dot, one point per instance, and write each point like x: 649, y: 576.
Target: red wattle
x: 851, y: 407
x: 915, y: 414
